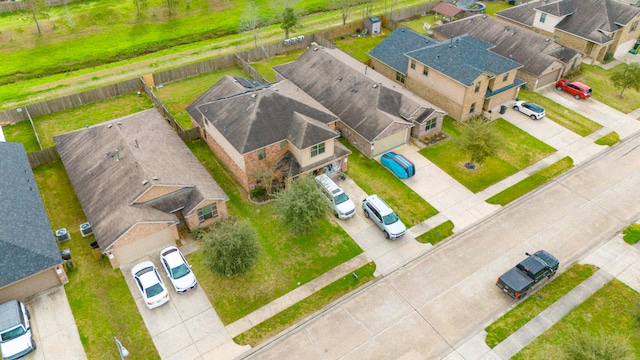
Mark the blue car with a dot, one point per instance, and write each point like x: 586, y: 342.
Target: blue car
x: 398, y: 164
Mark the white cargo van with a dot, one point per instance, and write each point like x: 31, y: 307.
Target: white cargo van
x: 15, y: 330
x: 343, y: 207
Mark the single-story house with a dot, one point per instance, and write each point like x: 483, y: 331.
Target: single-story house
x: 139, y: 184
x: 543, y: 60
x: 375, y: 115
x: 254, y: 127
x: 596, y: 28
x: 460, y: 75
x: 29, y: 255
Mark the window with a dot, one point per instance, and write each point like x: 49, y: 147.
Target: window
x: 413, y: 64
x: 317, y: 149
x: 505, y: 77
x: 208, y: 212
x: 431, y: 124
x: 477, y: 87
x: 262, y: 153
x: 543, y: 16
x: 400, y: 77
x: 634, y: 25
x: 473, y: 108
x: 425, y: 71
x: 283, y: 144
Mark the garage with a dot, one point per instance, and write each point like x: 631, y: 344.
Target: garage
x: 548, y: 78
x: 390, y: 142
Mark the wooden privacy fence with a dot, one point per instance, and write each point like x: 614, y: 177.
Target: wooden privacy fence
x: 10, y: 6
x: 43, y: 156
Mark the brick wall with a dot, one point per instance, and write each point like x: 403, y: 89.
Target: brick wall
x: 193, y: 222
x: 355, y: 139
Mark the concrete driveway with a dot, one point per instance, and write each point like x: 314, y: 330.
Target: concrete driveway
x: 54, y: 328
x: 431, y: 307
x: 187, y: 327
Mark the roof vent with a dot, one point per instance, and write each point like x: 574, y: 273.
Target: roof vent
x: 145, y: 182
x: 109, y: 126
x: 118, y: 123
x: 254, y: 95
x: 547, y: 39
x: 155, y: 178
x: 375, y: 86
x: 484, y: 16
x: 510, y: 56
x: 315, y: 49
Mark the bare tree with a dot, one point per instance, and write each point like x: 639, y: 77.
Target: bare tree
x: 140, y: 4
x: 37, y: 9
x: 367, y: 8
x: 345, y: 7
x: 250, y: 20
x: 269, y: 177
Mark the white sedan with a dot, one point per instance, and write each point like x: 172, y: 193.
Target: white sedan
x: 530, y: 109
x: 178, y: 269
x: 153, y: 291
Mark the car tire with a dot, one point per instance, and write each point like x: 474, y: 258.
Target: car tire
x: 366, y: 214
x: 534, y: 117
x: 551, y: 274
x: 516, y: 108
x: 577, y: 96
x: 386, y: 235
x: 336, y: 215
x: 522, y: 295
x: 559, y: 88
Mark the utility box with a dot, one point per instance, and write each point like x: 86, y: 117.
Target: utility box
x: 373, y: 25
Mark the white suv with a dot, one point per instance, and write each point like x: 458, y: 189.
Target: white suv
x: 343, y: 207
x: 15, y: 330
x: 376, y: 209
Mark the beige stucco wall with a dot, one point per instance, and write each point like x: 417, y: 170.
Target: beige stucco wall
x: 142, y: 239
x: 225, y: 146
x: 304, y: 155
x: 549, y: 24
x: 33, y: 284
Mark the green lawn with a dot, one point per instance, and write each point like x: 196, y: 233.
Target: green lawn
x: 519, y: 151
x: 561, y: 115
x: 610, y: 311
x: 75, y: 118
x: 417, y: 25
x: 535, y: 180
x: 359, y: 47
x: 437, y: 234
x: 286, y: 262
x: 265, y: 66
x: 632, y: 234
x: 100, y: 300
x: 177, y: 95
x: 494, y: 6
x: 306, y: 307
x: 604, y: 91
x: 374, y: 178
x: 513, y: 320
x: 610, y: 139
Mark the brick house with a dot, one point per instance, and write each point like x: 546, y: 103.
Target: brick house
x: 29, y: 255
x: 460, y: 75
x: 375, y: 115
x: 138, y: 184
x: 543, y: 60
x: 254, y: 127
x: 593, y: 27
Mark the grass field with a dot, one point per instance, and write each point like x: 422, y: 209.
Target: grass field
x: 604, y: 91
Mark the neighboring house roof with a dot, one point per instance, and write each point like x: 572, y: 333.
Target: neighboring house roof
x: 588, y: 19
x: 27, y: 243
x: 400, y: 41
x: 251, y: 119
x: 447, y: 9
x: 112, y: 164
x: 363, y: 99
x: 463, y: 58
x: 534, y: 51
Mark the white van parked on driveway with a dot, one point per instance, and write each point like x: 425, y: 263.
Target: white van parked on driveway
x: 343, y: 207
x: 15, y: 330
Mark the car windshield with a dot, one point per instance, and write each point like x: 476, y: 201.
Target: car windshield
x: 535, y: 107
x: 390, y: 219
x: 180, y: 271
x: 340, y: 198
x: 13, y: 333
x: 153, y: 290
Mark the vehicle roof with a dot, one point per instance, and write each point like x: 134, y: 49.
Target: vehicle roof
x: 382, y: 206
x: 579, y: 84
x: 144, y: 272
x: 9, y: 314
x: 329, y: 184
x: 172, y: 255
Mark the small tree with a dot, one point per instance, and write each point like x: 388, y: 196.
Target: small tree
x: 269, y: 177
x: 231, y: 247
x: 37, y: 9
x: 301, y: 204
x: 367, y: 8
x: 289, y: 21
x: 478, y: 140
x: 345, y: 7
x: 584, y: 346
x: 627, y: 76
x: 139, y: 5
x: 250, y: 20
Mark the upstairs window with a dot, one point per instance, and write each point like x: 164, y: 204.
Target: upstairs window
x: 413, y: 64
x: 473, y: 108
x: 505, y: 77
x: 262, y: 153
x: 634, y: 25
x: 317, y: 149
x: 477, y: 87
x: 543, y: 17
x: 283, y: 144
x: 425, y: 71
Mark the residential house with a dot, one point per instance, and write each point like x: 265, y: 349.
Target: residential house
x: 29, y: 255
x: 375, y: 115
x: 543, y: 60
x: 596, y: 28
x: 460, y: 75
x: 257, y: 128
x: 138, y: 184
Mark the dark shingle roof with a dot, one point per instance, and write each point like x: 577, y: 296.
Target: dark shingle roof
x: 254, y: 119
x: 463, y: 59
x: 446, y: 9
x: 397, y: 43
x: 363, y: 99
x: 534, y: 51
x: 27, y: 243
x: 109, y: 163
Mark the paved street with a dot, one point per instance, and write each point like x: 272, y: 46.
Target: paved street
x: 433, y: 305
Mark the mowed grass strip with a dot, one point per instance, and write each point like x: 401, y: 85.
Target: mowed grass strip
x: 535, y: 180
x: 306, y: 307
x: 437, y: 234
x: 599, y: 80
x: 570, y: 119
x: 374, y: 178
x: 631, y: 235
x: 610, y: 310
x: 610, y: 139
x: 100, y: 300
x: 518, y: 151
x: 513, y: 320
x: 286, y: 261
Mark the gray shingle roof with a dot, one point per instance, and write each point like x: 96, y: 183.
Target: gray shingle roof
x: 363, y: 99
x: 251, y: 120
x: 463, y: 59
x: 108, y: 163
x: 534, y: 51
x: 397, y: 43
x: 27, y: 242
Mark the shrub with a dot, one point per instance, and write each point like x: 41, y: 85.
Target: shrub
x: 231, y: 247
x: 301, y: 204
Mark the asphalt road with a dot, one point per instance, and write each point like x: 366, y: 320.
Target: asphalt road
x: 431, y: 306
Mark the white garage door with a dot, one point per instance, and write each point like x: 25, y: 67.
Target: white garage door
x: 392, y: 141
